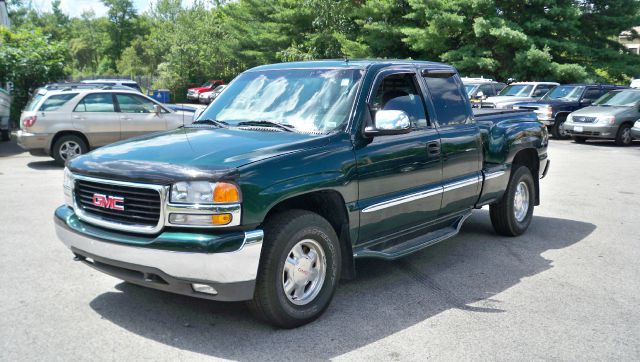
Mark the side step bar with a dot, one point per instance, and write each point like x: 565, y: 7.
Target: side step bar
x: 400, y: 249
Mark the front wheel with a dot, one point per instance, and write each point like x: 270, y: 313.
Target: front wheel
x: 299, y: 269
x: 623, y: 137
x: 558, y: 130
x: 512, y: 215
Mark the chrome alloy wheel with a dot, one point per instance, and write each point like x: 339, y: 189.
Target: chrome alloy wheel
x: 69, y: 150
x: 626, y: 136
x: 304, y: 272
x: 521, y: 202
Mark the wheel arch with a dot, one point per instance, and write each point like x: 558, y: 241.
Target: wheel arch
x: 60, y: 134
x: 330, y: 205
x: 529, y: 158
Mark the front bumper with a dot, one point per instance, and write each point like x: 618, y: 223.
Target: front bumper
x: 170, y: 261
x: 33, y: 141
x: 635, y: 132
x: 193, y: 96
x: 590, y: 130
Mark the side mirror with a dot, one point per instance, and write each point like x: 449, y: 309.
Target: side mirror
x: 389, y: 122
x: 157, y: 109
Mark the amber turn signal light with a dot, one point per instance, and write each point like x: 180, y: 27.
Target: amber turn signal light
x: 225, y: 193
x: 221, y: 219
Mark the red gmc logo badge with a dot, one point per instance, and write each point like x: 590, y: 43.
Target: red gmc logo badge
x: 108, y: 202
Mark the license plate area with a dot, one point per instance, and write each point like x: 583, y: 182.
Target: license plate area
x: 578, y: 128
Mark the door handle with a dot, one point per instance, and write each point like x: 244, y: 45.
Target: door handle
x: 123, y: 118
x: 78, y: 117
x: 433, y: 148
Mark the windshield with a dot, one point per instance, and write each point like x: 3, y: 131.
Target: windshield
x: 625, y: 98
x: 564, y: 93
x: 309, y: 100
x: 206, y: 85
x: 470, y: 88
x: 517, y: 90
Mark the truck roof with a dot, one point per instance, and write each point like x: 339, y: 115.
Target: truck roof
x: 351, y: 63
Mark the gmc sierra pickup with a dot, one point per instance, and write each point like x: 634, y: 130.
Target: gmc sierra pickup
x: 294, y: 171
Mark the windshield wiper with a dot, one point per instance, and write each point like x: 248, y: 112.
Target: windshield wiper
x: 213, y: 122
x: 282, y: 126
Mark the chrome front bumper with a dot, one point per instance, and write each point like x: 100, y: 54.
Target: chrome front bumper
x: 232, y: 274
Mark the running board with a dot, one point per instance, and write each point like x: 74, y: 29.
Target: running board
x: 405, y: 247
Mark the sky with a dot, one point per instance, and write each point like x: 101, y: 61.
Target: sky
x: 74, y: 8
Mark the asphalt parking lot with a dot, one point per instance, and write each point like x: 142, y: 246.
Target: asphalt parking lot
x: 569, y: 289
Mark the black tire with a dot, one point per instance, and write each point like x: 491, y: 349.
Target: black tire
x: 282, y: 233
x: 624, y: 137
x: 502, y: 214
x: 556, y: 130
x: 5, y: 135
x: 58, y: 153
x: 579, y: 139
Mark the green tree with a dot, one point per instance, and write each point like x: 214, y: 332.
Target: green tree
x: 122, y: 28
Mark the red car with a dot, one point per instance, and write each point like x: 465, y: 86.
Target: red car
x: 194, y: 93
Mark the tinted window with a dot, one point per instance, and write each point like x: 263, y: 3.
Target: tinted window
x: 447, y: 97
x: 517, y: 90
x: 591, y: 95
x: 97, y: 102
x: 130, y: 103
x: 541, y: 90
x: 399, y: 92
x: 487, y: 90
x: 56, y: 101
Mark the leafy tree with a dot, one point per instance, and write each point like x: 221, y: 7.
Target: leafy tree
x: 122, y: 27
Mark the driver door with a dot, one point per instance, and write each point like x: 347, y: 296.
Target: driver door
x: 137, y: 115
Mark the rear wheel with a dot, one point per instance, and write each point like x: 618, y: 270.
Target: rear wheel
x: 579, y: 139
x: 623, y: 137
x: 558, y: 130
x: 299, y: 269
x: 68, y: 147
x: 512, y: 215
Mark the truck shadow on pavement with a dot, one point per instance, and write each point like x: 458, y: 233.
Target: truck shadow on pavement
x: 464, y: 273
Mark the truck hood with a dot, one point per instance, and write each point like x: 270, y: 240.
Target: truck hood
x: 189, y: 154
x: 595, y: 111
x: 199, y: 89
x: 509, y: 99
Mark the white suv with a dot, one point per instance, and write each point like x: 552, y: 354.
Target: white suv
x: 64, y: 123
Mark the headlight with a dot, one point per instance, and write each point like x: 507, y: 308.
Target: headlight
x: 203, y: 192
x: 68, y: 185
x: 569, y: 118
x: 609, y: 120
x: 637, y: 124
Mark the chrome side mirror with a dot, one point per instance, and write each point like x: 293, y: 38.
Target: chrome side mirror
x: 157, y: 109
x: 389, y: 122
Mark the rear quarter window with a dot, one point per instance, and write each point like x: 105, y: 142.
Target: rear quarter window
x: 449, y: 101
x: 56, y: 101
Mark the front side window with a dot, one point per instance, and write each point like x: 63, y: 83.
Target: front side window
x: 448, y: 100
x: 517, y: 90
x: 399, y: 92
x: 309, y: 100
x: 56, y: 101
x: 564, y: 93
x: 131, y: 103
x: 97, y: 102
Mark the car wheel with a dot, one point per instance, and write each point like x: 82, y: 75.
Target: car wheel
x: 68, y: 147
x: 558, y: 131
x: 512, y: 215
x: 623, y: 138
x: 299, y: 269
x: 5, y: 135
x: 580, y: 139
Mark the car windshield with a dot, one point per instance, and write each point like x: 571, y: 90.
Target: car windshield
x: 517, y: 90
x: 470, y: 88
x: 206, y: 85
x: 624, y: 98
x: 564, y: 93
x: 308, y: 100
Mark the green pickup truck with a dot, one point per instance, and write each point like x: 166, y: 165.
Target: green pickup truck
x: 294, y: 171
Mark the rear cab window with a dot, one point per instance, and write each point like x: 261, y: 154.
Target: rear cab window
x: 56, y: 101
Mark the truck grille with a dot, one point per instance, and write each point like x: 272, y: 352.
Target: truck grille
x: 141, y: 206
x: 583, y: 119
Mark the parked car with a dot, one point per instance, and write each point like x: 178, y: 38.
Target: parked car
x: 5, y: 109
x: 635, y: 130
x: 554, y: 107
x: 610, y: 117
x: 518, y: 92
x: 479, y: 89
x: 193, y: 94
x: 69, y: 122
x: 208, y: 97
x: 114, y: 82
x: 270, y: 199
